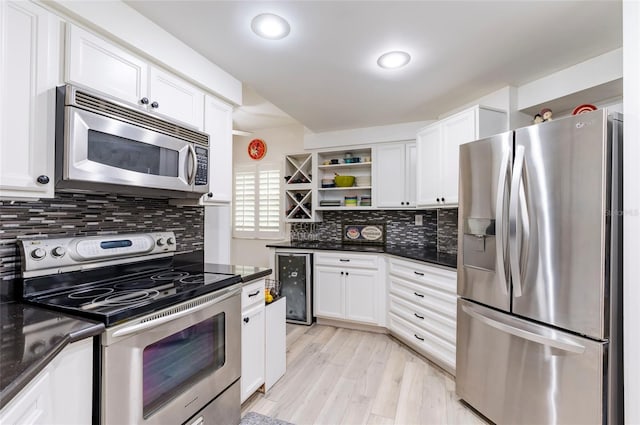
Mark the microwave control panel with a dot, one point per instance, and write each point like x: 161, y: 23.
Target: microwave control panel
x: 202, y: 171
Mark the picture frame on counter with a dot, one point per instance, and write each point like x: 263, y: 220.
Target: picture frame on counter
x: 369, y: 233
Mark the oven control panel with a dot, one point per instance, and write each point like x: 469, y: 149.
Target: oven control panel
x: 48, y: 256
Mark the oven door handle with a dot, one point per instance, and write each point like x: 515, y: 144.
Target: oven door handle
x: 128, y: 330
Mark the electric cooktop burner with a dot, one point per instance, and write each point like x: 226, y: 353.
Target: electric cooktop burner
x: 131, y: 294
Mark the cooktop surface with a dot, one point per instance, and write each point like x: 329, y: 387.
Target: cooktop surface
x: 114, y: 294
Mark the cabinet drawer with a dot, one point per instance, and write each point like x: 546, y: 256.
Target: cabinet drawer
x: 253, y: 294
x: 435, y: 277
x: 432, y: 346
x: 362, y: 261
x: 425, y: 319
x: 439, y: 302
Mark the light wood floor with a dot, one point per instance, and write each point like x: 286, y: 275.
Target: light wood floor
x: 341, y: 376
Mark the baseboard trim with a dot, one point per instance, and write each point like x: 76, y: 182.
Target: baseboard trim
x: 352, y: 325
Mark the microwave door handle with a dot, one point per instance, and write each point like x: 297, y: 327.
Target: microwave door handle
x: 191, y: 174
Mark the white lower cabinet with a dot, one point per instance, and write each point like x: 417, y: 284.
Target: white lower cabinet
x: 275, y: 357
x: 422, y: 309
x: 253, y: 341
x: 348, y: 287
x: 60, y: 394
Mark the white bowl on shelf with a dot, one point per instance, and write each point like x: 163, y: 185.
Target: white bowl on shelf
x: 363, y: 180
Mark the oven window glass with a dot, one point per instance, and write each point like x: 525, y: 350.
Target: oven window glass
x: 174, y: 363
x: 131, y: 155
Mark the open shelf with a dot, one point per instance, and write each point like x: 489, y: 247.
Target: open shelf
x: 362, y: 168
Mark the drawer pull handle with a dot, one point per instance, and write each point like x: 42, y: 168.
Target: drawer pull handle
x: 421, y: 339
x: 418, y: 273
x: 418, y: 316
x: 345, y: 260
x: 255, y: 293
x: 418, y: 295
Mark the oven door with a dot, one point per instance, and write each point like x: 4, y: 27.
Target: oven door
x: 165, y: 368
x: 105, y: 150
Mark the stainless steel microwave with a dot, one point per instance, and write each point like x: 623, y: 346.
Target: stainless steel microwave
x: 102, y: 145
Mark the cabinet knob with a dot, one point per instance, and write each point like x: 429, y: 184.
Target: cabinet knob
x: 144, y: 101
x: 437, y: 199
x: 43, y: 179
x: 246, y: 320
x: 347, y: 273
x: 402, y: 203
x: 209, y: 195
x: 155, y: 105
x: 442, y: 199
x: 342, y: 273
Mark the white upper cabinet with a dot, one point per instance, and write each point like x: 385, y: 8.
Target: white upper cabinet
x: 29, y: 73
x: 218, y: 124
x: 97, y: 64
x: 395, y: 175
x: 100, y: 65
x: 175, y: 98
x: 437, y: 152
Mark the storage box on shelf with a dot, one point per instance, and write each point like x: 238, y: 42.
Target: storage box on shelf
x: 351, y: 162
x: 422, y: 309
x: 298, y: 188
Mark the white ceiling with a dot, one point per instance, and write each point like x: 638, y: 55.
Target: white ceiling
x: 324, y: 74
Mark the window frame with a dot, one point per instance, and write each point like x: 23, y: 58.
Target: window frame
x: 257, y: 233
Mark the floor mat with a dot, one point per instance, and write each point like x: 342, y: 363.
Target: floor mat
x: 253, y: 418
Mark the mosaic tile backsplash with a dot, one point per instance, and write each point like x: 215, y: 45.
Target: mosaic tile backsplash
x: 88, y: 215
x: 439, y: 229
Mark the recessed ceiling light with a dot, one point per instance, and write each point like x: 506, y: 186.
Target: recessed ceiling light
x: 393, y: 60
x: 270, y: 26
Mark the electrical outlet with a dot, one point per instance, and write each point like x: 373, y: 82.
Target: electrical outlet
x: 418, y: 219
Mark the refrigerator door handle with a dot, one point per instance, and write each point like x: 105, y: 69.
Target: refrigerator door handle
x: 560, y: 344
x: 500, y: 240
x: 514, y: 205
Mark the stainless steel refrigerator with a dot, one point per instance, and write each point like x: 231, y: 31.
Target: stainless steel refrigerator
x: 539, y: 338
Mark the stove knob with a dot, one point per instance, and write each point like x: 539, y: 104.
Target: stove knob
x: 38, y: 254
x: 160, y: 242
x: 58, y: 251
x: 170, y: 241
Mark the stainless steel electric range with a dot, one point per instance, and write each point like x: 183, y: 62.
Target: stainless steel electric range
x: 171, y: 349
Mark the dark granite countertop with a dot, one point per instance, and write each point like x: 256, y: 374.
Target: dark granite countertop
x: 30, y: 338
x: 247, y: 273
x: 427, y: 255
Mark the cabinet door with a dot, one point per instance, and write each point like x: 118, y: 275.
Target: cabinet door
x: 97, y: 64
x: 29, y: 63
x: 390, y: 176
x: 32, y: 405
x: 455, y: 131
x: 252, y: 356
x: 428, y: 165
x: 218, y: 124
x: 175, y: 99
x: 328, y: 292
x: 361, y: 295
x: 410, y: 158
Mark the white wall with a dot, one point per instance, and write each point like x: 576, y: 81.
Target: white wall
x: 631, y: 33
x: 280, y: 141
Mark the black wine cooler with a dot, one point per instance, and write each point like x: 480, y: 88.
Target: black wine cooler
x: 293, y: 270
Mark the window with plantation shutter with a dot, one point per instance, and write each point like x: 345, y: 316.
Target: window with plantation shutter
x: 257, y: 209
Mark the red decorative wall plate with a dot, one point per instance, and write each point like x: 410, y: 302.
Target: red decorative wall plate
x: 257, y: 149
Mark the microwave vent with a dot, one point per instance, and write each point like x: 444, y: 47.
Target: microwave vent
x: 104, y: 107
